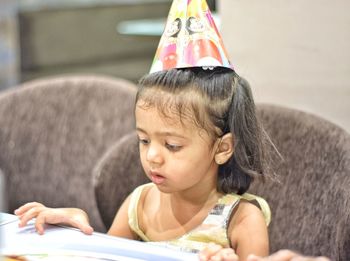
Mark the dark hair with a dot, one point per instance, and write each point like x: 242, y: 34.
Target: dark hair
x: 218, y: 101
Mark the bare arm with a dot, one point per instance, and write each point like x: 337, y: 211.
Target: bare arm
x: 248, y: 234
x: 120, y: 226
x: 248, y: 231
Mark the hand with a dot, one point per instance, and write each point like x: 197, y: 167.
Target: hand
x: 286, y: 255
x: 214, y: 252
x: 69, y: 216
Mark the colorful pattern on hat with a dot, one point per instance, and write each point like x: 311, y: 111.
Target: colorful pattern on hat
x: 190, y: 39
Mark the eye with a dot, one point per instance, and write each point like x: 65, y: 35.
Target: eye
x: 173, y: 147
x: 144, y: 141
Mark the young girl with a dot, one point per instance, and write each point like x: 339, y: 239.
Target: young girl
x: 201, y: 145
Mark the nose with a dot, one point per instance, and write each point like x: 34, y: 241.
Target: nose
x: 153, y: 154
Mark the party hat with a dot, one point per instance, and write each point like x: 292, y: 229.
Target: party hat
x: 190, y: 39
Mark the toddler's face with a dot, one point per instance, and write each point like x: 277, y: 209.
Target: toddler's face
x: 176, y: 155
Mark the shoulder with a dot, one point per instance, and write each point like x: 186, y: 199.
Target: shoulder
x: 247, y: 205
x: 125, y: 223
x: 251, y: 208
x: 248, y: 221
x: 247, y: 212
x: 261, y: 204
x: 137, y: 197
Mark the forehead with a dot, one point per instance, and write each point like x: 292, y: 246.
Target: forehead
x: 151, y: 114
x: 179, y: 105
x: 186, y: 107
x: 154, y: 122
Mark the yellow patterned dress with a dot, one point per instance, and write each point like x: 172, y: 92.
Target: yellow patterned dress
x: 213, y: 229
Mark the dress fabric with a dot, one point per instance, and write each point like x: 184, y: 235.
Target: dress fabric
x: 213, y: 229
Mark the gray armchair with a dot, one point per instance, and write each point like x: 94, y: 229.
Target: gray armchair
x: 54, y: 130
x: 311, y: 202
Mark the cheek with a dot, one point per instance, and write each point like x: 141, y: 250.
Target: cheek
x: 184, y: 166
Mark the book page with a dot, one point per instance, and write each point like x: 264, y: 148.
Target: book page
x: 63, y: 243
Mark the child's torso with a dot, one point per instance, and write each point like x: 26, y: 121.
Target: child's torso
x: 193, y: 232
x: 170, y: 222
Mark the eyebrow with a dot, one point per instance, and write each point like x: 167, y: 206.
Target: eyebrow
x: 163, y: 133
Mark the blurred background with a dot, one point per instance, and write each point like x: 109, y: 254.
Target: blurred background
x: 294, y: 53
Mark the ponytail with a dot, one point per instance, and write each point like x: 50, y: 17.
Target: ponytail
x: 248, y: 160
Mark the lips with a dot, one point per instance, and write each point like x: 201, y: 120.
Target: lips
x: 156, y: 178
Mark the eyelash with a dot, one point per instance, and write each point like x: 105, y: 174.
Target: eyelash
x: 170, y: 147
x: 143, y: 141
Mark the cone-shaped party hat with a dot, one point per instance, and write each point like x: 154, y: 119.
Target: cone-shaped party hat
x: 190, y: 39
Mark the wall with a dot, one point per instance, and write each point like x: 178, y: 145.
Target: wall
x: 8, y: 44
x: 58, y: 37
x: 294, y: 53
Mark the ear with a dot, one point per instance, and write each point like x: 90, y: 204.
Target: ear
x: 225, y: 149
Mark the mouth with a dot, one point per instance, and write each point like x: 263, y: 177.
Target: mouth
x: 156, y: 178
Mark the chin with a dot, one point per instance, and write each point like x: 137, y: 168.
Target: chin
x: 164, y: 189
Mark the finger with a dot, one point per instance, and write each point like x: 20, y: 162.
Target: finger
x: 83, y: 225
x: 228, y: 254
x: 209, y: 251
x: 30, y: 214
x: 24, y: 208
x: 39, y: 223
x: 302, y: 258
x: 308, y: 258
x: 254, y: 258
x: 225, y: 254
x: 322, y: 258
x: 281, y: 255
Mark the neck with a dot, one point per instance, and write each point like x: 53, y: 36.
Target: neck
x: 189, y: 204
x: 196, y: 198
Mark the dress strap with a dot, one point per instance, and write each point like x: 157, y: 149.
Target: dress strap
x: 264, y: 207
x: 132, y: 211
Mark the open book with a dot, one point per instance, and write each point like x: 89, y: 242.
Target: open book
x: 63, y: 243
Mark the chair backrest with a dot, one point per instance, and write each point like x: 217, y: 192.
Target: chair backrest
x: 54, y: 130
x: 116, y: 175
x: 310, y: 204
x: 3, y: 207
